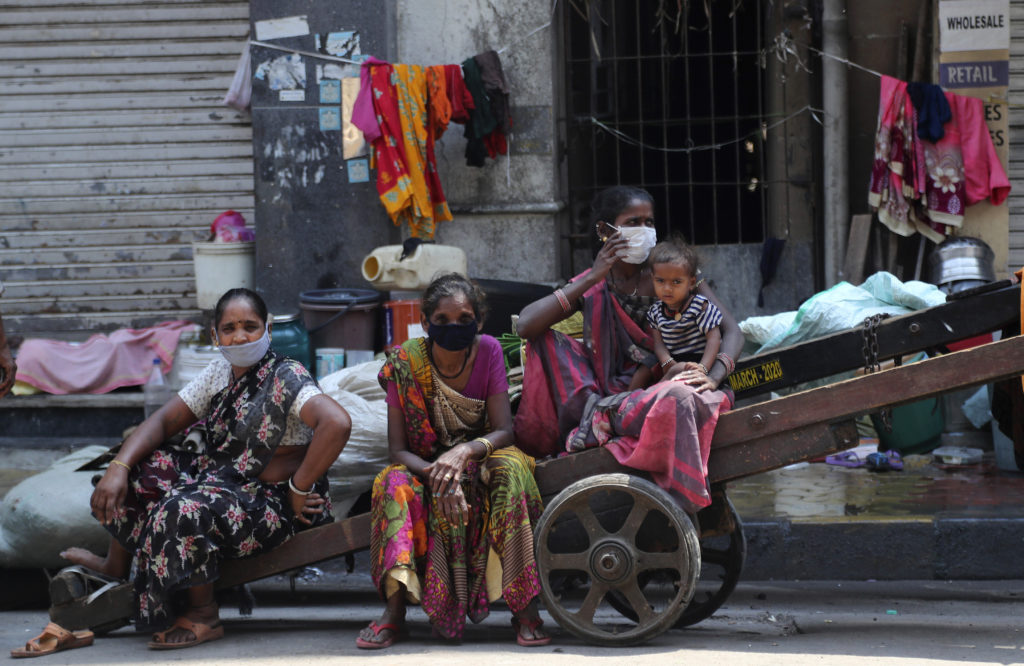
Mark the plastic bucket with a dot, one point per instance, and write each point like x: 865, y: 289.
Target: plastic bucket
x: 328, y: 360
x: 345, y: 318
x: 401, y: 322
x: 289, y: 338
x: 219, y: 267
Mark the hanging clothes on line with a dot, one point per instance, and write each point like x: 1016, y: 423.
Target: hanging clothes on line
x: 491, y: 118
x: 923, y: 186
x: 393, y: 108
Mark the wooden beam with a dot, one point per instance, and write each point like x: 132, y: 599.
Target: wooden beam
x: 305, y: 548
x: 857, y: 248
x: 869, y: 393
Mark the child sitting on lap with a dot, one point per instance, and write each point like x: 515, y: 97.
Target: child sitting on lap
x: 685, y: 324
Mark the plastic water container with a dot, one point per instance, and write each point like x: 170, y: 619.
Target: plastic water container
x: 402, y: 318
x: 219, y: 267
x: 385, y: 269
x: 289, y: 338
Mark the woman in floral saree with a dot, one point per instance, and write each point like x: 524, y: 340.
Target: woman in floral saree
x: 257, y: 477
x: 452, y: 517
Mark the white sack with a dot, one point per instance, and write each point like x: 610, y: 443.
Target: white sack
x: 49, y: 512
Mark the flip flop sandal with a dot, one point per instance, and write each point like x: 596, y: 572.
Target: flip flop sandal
x: 203, y: 633
x: 54, y: 638
x: 895, y: 460
x: 364, y: 644
x: 533, y: 626
x: 878, y: 462
x: 845, y: 459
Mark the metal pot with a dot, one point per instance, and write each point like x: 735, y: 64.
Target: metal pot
x: 961, y: 263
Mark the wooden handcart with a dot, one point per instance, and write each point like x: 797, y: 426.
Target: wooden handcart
x: 619, y: 561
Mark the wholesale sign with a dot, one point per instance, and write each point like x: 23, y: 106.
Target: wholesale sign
x: 974, y: 25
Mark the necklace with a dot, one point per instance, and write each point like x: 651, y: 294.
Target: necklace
x: 437, y: 369
x: 636, y: 282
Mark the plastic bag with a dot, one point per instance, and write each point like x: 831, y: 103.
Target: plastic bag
x: 366, y: 452
x: 845, y: 306
x: 239, y: 94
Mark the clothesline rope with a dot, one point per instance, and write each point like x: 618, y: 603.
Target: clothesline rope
x: 310, y: 54
x: 763, y: 130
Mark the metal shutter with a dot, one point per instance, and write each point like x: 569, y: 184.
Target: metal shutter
x: 115, y: 154
x: 1016, y: 165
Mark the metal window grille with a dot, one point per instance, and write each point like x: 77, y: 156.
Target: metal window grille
x: 661, y: 88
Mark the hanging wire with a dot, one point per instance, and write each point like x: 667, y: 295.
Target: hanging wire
x: 761, y: 131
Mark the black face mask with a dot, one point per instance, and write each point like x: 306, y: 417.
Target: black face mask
x: 453, y: 337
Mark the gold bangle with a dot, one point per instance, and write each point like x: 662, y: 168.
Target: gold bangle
x: 488, y: 446
x: 115, y: 461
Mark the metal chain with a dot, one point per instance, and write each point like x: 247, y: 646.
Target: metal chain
x: 869, y: 331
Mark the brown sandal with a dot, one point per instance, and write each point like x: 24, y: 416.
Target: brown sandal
x: 203, y: 633
x: 54, y: 638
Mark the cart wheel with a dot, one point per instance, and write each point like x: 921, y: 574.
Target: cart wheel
x: 723, y: 550
x: 616, y: 536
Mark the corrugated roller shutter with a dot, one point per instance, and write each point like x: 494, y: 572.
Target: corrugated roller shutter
x: 1016, y: 254
x: 115, y: 154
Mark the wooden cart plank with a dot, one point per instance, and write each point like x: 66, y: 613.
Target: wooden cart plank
x: 767, y: 453
x: 870, y: 393
x: 908, y: 334
x: 308, y: 547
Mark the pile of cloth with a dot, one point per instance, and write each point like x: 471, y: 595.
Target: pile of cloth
x: 403, y: 110
x: 933, y: 158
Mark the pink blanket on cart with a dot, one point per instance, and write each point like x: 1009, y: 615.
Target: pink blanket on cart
x: 100, y: 364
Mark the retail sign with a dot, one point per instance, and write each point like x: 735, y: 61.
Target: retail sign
x: 974, y: 25
x: 974, y: 74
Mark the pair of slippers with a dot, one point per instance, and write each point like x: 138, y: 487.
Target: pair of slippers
x: 875, y: 462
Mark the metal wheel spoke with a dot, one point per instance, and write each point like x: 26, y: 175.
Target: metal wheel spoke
x: 589, y: 606
x: 635, y: 518
x: 637, y: 601
x: 647, y: 560
x: 567, y: 561
x: 588, y: 520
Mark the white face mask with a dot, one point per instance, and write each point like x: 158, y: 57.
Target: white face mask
x: 248, y: 354
x: 641, y: 241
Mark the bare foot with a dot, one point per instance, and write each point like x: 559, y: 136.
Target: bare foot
x: 91, y: 560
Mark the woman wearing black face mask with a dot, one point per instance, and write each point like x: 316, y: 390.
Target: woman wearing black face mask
x: 457, y: 491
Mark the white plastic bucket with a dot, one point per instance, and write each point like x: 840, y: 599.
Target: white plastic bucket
x: 219, y: 267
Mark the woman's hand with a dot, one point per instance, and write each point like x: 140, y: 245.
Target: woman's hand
x: 445, y: 473
x: 453, y: 506
x: 306, y: 505
x: 108, y: 496
x: 609, y: 254
x: 691, y: 375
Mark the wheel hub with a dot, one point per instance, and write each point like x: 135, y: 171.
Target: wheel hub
x: 611, y: 561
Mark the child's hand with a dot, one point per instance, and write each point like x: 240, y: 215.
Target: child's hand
x: 690, y: 365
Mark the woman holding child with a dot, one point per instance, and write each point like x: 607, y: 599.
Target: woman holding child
x: 452, y: 516
x: 599, y: 392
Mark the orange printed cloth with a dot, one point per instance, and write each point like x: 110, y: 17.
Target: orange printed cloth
x: 407, y: 178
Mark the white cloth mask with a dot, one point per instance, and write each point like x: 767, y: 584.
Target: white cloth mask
x: 248, y: 354
x: 641, y: 241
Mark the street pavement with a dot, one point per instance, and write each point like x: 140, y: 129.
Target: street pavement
x: 763, y: 622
